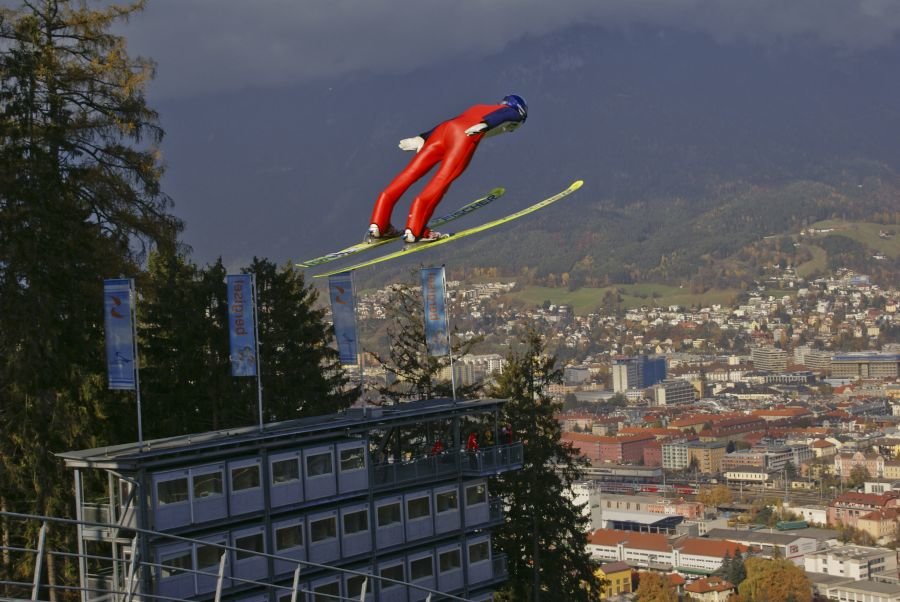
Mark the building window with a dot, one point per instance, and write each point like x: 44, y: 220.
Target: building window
x: 449, y: 561
x: 479, y: 552
x: 421, y: 568
x: 176, y: 564
x: 327, y: 592
x: 476, y: 494
x: 354, y: 586
x: 320, y: 530
x: 352, y: 459
x: 172, y: 492
x: 208, y: 555
x: 388, y: 514
x: 289, y: 537
x: 418, y: 508
x: 447, y: 501
x: 207, y: 485
x: 356, y: 522
x: 248, y: 546
x: 392, y: 572
x: 319, y: 465
x: 285, y: 471
x: 245, y: 477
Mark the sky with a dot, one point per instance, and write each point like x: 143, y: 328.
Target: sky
x: 210, y: 46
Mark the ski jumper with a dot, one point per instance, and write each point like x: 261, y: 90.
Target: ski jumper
x: 449, y: 145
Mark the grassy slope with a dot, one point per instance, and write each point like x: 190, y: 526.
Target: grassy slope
x: 586, y: 300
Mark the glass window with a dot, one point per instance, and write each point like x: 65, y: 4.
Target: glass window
x: 173, y: 564
x: 476, y: 494
x: 418, y: 508
x: 245, y: 477
x: 329, y: 592
x: 248, y: 546
x: 172, y: 492
x: 388, y: 514
x: 208, y: 555
x: 421, y: 568
x: 354, y: 586
x: 447, y: 501
x: 289, y: 537
x: 207, y: 485
x: 284, y: 471
x: 449, y: 560
x: 322, y: 529
x: 318, y: 465
x: 352, y: 459
x: 392, y: 572
x: 355, y: 522
x: 479, y: 552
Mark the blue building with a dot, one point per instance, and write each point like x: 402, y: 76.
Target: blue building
x: 638, y: 372
x: 365, y: 494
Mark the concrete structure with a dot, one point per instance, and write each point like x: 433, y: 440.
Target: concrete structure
x: 708, y: 455
x: 866, y: 364
x: 637, y: 372
x: 673, y: 391
x: 675, y: 455
x: 788, y: 545
x: 343, y: 491
x: 770, y: 359
x: 852, y: 562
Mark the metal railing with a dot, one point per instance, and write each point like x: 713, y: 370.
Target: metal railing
x: 488, y: 461
x: 101, y: 585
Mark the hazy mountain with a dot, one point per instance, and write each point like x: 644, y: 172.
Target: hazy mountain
x: 665, y: 127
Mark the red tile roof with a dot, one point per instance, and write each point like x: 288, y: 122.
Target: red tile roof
x: 631, y: 539
x: 716, y: 548
x: 712, y: 584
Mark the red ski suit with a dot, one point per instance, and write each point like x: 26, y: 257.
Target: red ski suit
x: 448, y: 145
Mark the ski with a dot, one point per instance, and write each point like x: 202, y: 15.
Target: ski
x: 462, y: 234
x: 492, y: 196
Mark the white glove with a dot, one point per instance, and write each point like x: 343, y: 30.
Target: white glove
x: 412, y: 144
x: 476, y: 129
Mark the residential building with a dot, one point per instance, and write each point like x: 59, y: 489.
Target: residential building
x: 853, y: 562
x: 675, y: 455
x: 653, y: 454
x: 708, y: 455
x: 823, y: 448
x: 710, y: 589
x: 844, y: 463
x: 849, y: 506
x: 880, y: 524
x: 618, y: 577
x: 331, y: 490
x: 892, y: 470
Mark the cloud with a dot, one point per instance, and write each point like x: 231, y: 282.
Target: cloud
x: 206, y: 46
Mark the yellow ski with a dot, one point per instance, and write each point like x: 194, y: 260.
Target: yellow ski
x: 492, y: 196
x: 414, y: 248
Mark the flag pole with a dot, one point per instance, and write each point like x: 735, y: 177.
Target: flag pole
x: 137, y: 369
x: 259, y: 388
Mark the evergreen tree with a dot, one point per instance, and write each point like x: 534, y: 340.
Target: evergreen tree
x: 737, y: 572
x: 415, y: 370
x: 301, y: 371
x: 726, y: 569
x: 544, y: 536
x: 79, y: 186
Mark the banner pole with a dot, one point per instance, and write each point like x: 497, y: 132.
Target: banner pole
x: 449, y: 340
x: 137, y: 369
x: 259, y: 388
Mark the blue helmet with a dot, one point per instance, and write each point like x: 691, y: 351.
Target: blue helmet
x: 518, y: 103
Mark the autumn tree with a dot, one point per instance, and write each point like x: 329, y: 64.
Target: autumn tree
x: 79, y: 201
x: 654, y: 587
x: 774, y: 579
x: 545, y: 533
x: 859, y: 474
x: 715, y: 496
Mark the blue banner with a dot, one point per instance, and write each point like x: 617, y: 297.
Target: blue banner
x: 241, y: 330
x: 343, y: 313
x: 437, y: 330
x: 118, y: 298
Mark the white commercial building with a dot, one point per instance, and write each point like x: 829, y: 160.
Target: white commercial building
x: 854, y: 562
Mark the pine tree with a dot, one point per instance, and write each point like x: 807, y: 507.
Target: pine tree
x: 79, y: 186
x: 737, y: 572
x: 415, y: 370
x: 725, y: 569
x: 544, y: 536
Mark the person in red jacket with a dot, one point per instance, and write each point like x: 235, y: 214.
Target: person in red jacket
x: 452, y: 144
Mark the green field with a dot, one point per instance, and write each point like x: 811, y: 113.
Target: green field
x: 587, y: 300
x: 817, y: 264
x: 865, y: 233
